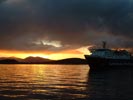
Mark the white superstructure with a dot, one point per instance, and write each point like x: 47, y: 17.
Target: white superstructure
x: 111, y: 54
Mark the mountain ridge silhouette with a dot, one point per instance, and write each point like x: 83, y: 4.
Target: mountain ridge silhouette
x: 40, y: 60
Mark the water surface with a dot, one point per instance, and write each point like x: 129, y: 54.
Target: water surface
x: 63, y: 82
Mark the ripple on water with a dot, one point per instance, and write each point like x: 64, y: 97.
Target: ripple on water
x: 42, y: 82
x: 63, y: 82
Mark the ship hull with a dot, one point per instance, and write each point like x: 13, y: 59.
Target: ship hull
x: 103, y: 63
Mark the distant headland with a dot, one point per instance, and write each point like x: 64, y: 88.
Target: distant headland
x: 40, y: 60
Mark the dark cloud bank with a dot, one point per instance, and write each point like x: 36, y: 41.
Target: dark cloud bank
x: 75, y: 23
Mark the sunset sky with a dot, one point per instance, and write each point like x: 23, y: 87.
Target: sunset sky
x: 58, y: 29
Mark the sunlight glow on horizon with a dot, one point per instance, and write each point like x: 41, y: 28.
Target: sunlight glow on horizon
x: 77, y: 53
x: 52, y: 56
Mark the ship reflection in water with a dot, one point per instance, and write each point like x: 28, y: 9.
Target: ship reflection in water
x: 63, y: 82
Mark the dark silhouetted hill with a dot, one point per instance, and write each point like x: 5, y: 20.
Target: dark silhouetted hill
x: 35, y: 60
x: 8, y: 61
x: 70, y: 61
x: 39, y: 60
x: 14, y: 58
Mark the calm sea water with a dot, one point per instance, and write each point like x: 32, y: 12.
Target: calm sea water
x: 64, y: 82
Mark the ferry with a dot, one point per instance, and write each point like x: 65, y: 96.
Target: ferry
x: 107, y: 58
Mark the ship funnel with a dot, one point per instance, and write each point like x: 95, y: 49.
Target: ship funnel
x: 104, y: 44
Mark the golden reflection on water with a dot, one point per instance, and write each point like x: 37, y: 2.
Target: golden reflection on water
x: 31, y: 80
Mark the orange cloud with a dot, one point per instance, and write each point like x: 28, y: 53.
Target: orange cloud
x: 23, y: 54
x: 72, y: 52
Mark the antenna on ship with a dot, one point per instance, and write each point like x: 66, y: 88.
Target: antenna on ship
x: 104, y: 44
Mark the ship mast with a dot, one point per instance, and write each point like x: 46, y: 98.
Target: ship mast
x: 104, y: 44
